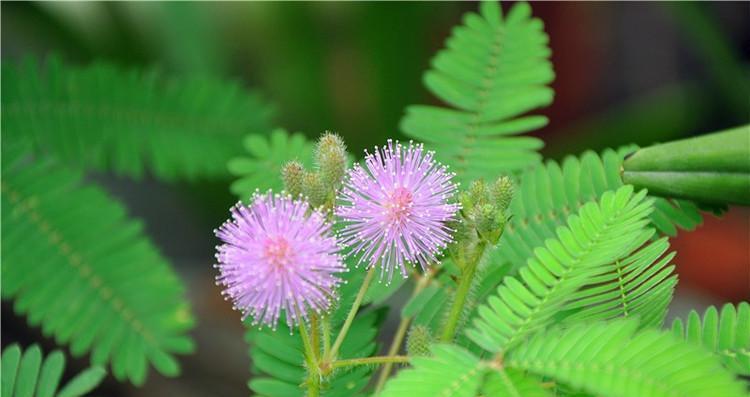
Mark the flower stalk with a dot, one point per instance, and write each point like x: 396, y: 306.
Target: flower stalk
x: 464, y: 286
x: 370, y: 361
x: 352, y: 313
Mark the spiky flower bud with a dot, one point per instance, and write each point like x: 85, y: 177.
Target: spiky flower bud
x: 502, y: 192
x: 478, y: 192
x: 418, y: 341
x: 314, y: 188
x: 292, y: 173
x: 484, y: 217
x: 330, y: 155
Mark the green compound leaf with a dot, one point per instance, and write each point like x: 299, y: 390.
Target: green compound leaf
x: 548, y: 194
x: 640, y: 285
x: 127, y: 121
x: 727, y: 334
x: 598, y: 235
x: 278, y: 360
x: 493, y: 71
x: 450, y: 371
x: 77, y: 267
x: 262, y: 169
x: 615, y: 360
x: 31, y: 374
x: 512, y: 383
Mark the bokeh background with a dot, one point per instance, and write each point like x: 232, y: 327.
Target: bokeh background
x: 626, y: 73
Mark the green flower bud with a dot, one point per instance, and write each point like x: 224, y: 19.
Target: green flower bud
x: 502, y: 192
x: 478, y: 192
x: 484, y: 217
x: 501, y: 219
x: 330, y: 155
x: 314, y: 188
x: 418, y: 341
x: 466, y: 202
x: 292, y: 173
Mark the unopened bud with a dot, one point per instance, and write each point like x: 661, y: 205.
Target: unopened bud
x: 478, y: 192
x: 484, y: 216
x: 293, y: 173
x: 314, y: 189
x: 502, y: 192
x: 330, y: 156
x: 418, y: 342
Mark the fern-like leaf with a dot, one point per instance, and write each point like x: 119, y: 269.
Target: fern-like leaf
x: 614, y: 360
x: 494, y: 69
x: 29, y: 374
x: 278, y: 360
x: 600, y: 234
x: 512, y: 383
x: 450, y: 371
x: 550, y: 193
x: 76, y: 266
x: 640, y: 285
x: 262, y: 169
x: 727, y: 334
x: 127, y: 121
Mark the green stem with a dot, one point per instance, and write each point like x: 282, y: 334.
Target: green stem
x: 313, y: 380
x: 370, y: 361
x: 352, y: 313
x: 464, y: 285
x: 314, y: 336
x: 398, y: 338
x: 326, y: 327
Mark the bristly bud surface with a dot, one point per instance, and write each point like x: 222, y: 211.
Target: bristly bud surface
x: 293, y: 173
x: 502, y: 192
x: 330, y: 156
x: 418, y: 341
x: 314, y: 189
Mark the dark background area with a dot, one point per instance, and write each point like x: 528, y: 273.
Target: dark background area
x: 626, y: 73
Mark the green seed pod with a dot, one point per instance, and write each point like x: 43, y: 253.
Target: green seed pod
x: 418, y: 341
x: 314, y: 189
x: 330, y: 155
x: 292, y: 173
x: 502, y: 192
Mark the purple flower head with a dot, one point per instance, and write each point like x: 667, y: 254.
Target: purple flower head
x: 278, y: 257
x: 395, y: 208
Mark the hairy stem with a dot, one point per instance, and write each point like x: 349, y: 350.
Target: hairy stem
x: 313, y: 379
x: 326, y: 328
x: 352, y: 313
x: 315, y: 336
x: 464, y: 285
x: 370, y: 361
x: 398, y: 338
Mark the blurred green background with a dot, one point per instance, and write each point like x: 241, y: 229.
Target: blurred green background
x: 626, y: 73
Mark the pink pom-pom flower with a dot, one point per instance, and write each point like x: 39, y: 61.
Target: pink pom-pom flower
x: 278, y: 255
x: 395, y: 209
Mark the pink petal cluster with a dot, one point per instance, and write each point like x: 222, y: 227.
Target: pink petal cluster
x: 278, y: 255
x: 395, y: 209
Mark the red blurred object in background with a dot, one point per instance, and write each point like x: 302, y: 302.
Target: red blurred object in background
x: 715, y: 258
